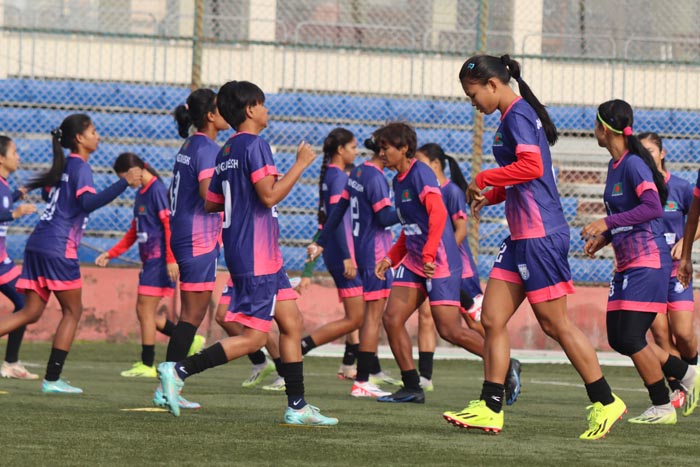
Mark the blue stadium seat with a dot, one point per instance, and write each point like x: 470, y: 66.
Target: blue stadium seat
x: 492, y: 234
x: 684, y: 122
x: 111, y: 218
x: 659, y: 121
x: 485, y: 265
x: 576, y: 243
x: 496, y: 212
x: 295, y: 259
x: 105, y: 180
x: 297, y: 226
x: 689, y: 176
x: 570, y: 208
x: 92, y: 246
x: 14, y: 90
x: 15, y: 245
x: 679, y: 150
x: 570, y: 118
x: 283, y: 105
x: 34, y: 151
x: 302, y: 196
x: 591, y: 270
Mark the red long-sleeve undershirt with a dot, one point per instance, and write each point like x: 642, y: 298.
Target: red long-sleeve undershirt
x: 130, y: 237
x: 527, y: 167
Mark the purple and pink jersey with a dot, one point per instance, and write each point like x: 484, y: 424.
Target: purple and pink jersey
x: 251, y: 240
x: 61, y: 225
x: 410, y: 190
x: 8, y: 269
x: 680, y: 196
x: 533, y: 208
x: 332, y: 190
x: 636, y: 245
x: 368, y: 191
x: 150, y: 206
x: 456, y: 204
x: 194, y: 231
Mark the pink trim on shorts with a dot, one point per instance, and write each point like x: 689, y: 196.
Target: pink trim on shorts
x: 248, y: 321
x: 225, y: 300
x: 683, y: 305
x: 10, y: 275
x: 444, y: 302
x: 349, y: 292
x: 63, y: 285
x: 88, y: 189
x: 376, y: 295
x: 204, y: 174
x: 505, y: 275
x: 197, y: 286
x: 155, y: 291
x: 551, y: 292
x: 631, y: 305
x: 25, y: 284
x: 286, y: 294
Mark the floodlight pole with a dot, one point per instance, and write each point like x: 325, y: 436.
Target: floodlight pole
x: 196, y: 79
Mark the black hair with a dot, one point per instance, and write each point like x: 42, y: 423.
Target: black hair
x: 4, y: 144
x: 235, y: 97
x: 656, y: 139
x: 372, y: 145
x: 127, y: 160
x: 619, y: 116
x: 62, y: 137
x: 336, y: 138
x: 194, y: 113
x: 435, y: 152
x: 481, y: 68
x: 398, y: 135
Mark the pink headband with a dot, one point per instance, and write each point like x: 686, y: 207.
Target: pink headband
x: 627, y: 131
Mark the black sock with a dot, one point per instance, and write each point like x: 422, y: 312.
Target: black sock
x: 14, y: 341
x: 257, y: 357
x: 279, y: 366
x: 658, y: 393
x: 148, y: 354
x: 180, y: 341
x: 674, y: 367
x: 197, y: 363
x: 55, y: 365
x: 350, y: 355
x: 294, y: 384
x: 492, y: 394
x: 168, y: 328
x: 307, y: 344
x: 376, y: 366
x: 675, y: 385
x: 691, y: 361
x: 425, y: 364
x: 411, y: 380
x: 365, y: 360
x: 599, y: 391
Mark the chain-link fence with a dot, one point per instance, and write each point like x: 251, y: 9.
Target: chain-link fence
x: 352, y: 63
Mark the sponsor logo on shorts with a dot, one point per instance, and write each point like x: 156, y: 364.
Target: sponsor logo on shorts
x: 524, y: 271
x: 624, y: 282
x: 5, y: 202
x: 678, y: 288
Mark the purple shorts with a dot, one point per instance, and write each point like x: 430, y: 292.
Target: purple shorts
x: 639, y: 289
x: 471, y: 286
x: 541, y: 265
x: 154, y: 280
x: 227, y: 293
x: 44, y: 274
x: 373, y: 287
x: 253, y: 304
x: 440, y: 291
x: 346, y: 287
x: 680, y: 298
x: 198, y: 274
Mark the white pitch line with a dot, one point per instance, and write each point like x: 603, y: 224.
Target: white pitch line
x: 577, y: 385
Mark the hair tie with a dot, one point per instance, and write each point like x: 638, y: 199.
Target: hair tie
x: 145, y: 166
x: 627, y: 131
x: 57, y: 132
x: 187, y: 107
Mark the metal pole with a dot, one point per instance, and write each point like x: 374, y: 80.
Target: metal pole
x: 478, y: 128
x: 196, y: 80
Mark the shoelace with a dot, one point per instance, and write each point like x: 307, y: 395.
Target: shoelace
x: 593, y: 412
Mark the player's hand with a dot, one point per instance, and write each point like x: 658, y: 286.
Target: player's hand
x: 677, y: 250
x: 133, y: 176
x: 593, y: 244
x: 102, y: 260
x: 350, y: 270
x: 476, y: 207
x: 381, y: 267
x: 474, y: 192
x: 23, y: 210
x: 303, y: 285
x: 685, y: 272
x: 313, y: 251
x: 173, y: 271
x: 593, y: 229
x: 305, y: 155
x: 429, y: 270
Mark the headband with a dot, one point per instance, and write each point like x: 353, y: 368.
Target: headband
x: 627, y: 131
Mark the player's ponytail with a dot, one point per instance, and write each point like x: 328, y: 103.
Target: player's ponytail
x: 435, y: 152
x: 127, y: 160
x: 481, y: 68
x: 617, y: 116
x: 335, y: 139
x: 63, y: 136
x: 194, y: 112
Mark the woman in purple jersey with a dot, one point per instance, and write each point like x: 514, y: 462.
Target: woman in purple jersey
x: 50, y: 257
x: 674, y: 333
x: 195, y: 233
x: 150, y: 228
x: 9, y: 272
x: 533, y: 260
x: 635, y: 192
x: 339, y: 150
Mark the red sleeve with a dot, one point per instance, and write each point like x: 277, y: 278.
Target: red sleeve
x: 437, y: 217
x: 398, y: 251
x: 496, y: 195
x: 169, y: 256
x: 125, y: 243
x: 527, y: 167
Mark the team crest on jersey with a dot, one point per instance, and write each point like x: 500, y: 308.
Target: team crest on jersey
x: 498, y: 139
x: 227, y: 149
x: 624, y: 282
x: 5, y: 202
x: 359, y: 172
x: 617, y: 189
x: 671, y: 206
x: 524, y: 271
x: 406, y: 196
x: 142, y: 209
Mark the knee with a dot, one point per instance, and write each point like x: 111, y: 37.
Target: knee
x: 449, y: 333
x: 220, y: 318
x: 391, y: 321
x: 32, y: 315
x: 551, y: 329
x: 73, y: 311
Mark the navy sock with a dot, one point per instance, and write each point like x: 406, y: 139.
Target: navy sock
x: 180, y: 341
x: 148, y: 354
x: 55, y: 365
x: 197, y: 363
x: 691, y: 361
x: 307, y: 344
x: 675, y: 385
x: 599, y: 391
x: 168, y: 328
x: 658, y: 393
x: 411, y: 380
x: 365, y: 360
x: 376, y: 366
x: 257, y: 357
x: 492, y: 394
x: 350, y: 355
x: 294, y: 384
x: 674, y: 367
x: 279, y: 365
x: 14, y: 338
x: 425, y: 364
